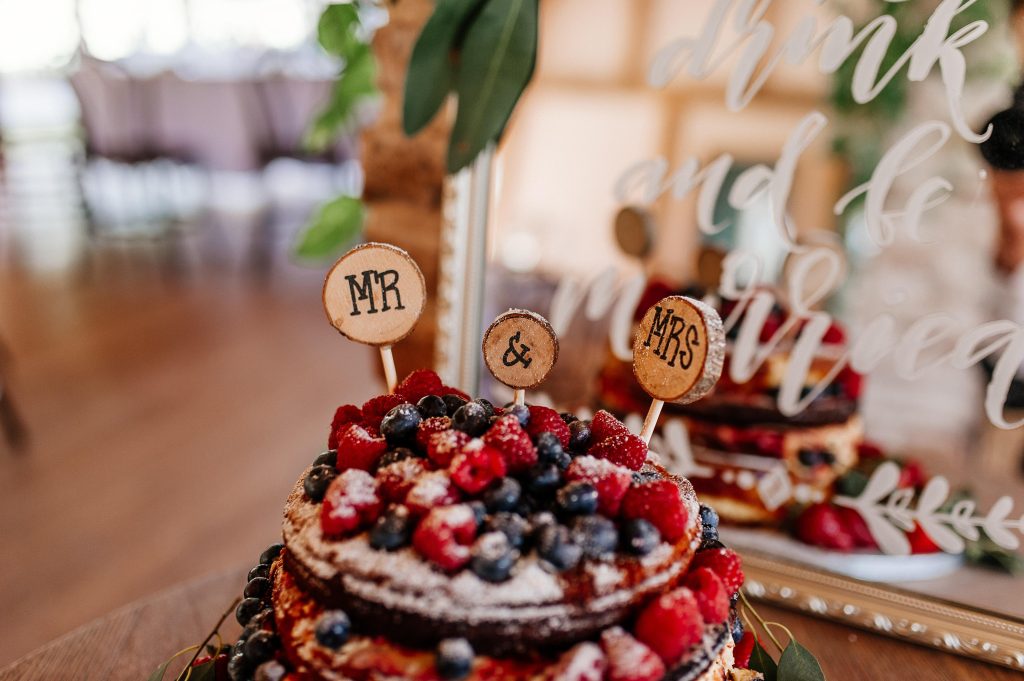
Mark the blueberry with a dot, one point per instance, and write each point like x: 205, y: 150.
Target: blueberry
x: 708, y: 534
x: 486, y: 404
x: 247, y: 609
x: 493, y: 557
x: 520, y: 412
x: 270, y: 671
x: 542, y: 518
x: 828, y: 458
x: 577, y: 498
x: 567, y: 418
x: 708, y: 516
x: 318, y: 480
x: 515, y: 527
x: 503, y: 495
x: 396, y: 455
x: 332, y: 629
x: 543, y: 479
x: 596, y: 535
x: 432, y: 405
x: 258, y: 571
x: 579, y: 436
x: 549, y: 450
x: 555, y: 547
x: 271, y: 552
x: 471, y: 418
x: 453, y: 402
x: 261, y: 646
x: 639, y: 537
x: 239, y: 667
x: 264, y: 619
x: 392, y: 530
x: 809, y: 457
x: 642, y: 477
x: 328, y: 458
x: 399, y: 425
x: 737, y: 628
x: 711, y: 545
x: 479, y: 512
x: 259, y: 587
x: 454, y: 658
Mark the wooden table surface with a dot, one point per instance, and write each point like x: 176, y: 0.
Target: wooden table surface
x: 128, y: 644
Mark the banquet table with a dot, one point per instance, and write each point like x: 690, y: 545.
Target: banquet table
x: 127, y: 645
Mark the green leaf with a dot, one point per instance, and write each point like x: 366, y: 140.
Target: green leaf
x: 357, y: 83
x: 799, y: 664
x: 158, y: 673
x: 337, y: 30
x: 334, y: 227
x: 761, y: 661
x: 495, y: 66
x: 431, y: 73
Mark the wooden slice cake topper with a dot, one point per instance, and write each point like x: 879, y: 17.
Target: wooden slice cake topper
x: 375, y: 295
x: 634, y: 231
x: 520, y: 349
x: 678, y: 354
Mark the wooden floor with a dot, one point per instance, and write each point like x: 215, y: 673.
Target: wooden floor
x: 170, y: 415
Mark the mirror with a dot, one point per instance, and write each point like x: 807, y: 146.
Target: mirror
x: 822, y: 174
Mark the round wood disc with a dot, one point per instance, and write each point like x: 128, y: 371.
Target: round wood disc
x: 520, y: 349
x: 679, y: 350
x: 375, y: 294
x: 634, y: 231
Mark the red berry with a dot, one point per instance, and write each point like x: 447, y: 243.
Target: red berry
x: 610, y: 480
x: 476, y: 467
x: 628, y: 659
x: 430, y: 491
x: 851, y: 383
x: 869, y: 450
x: 857, y: 528
x: 445, y: 535
x: 418, y: 385
x: 658, y: 502
x: 443, y: 446
x: 546, y: 420
x: 741, y: 654
x: 427, y: 427
x: 509, y: 438
x: 623, y: 449
x: 343, y: 416
x: 359, y: 449
x: 351, y: 502
x: 604, y: 426
x: 583, y: 662
x: 834, y: 335
x: 376, y: 409
x: 395, y: 481
x: 724, y: 563
x: 913, y: 474
x: 821, y: 525
x: 712, y: 598
x: 920, y: 542
x: 201, y: 660
x: 671, y: 625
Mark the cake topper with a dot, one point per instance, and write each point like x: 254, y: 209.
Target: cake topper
x: 374, y: 295
x: 678, y: 353
x: 520, y: 349
x: 634, y: 231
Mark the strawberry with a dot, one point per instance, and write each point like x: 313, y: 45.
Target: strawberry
x: 628, y: 659
x: 869, y: 450
x: 821, y: 525
x: 658, y: 502
x: 583, y: 662
x: 741, y: 654
x: 377, y: 408
x: 430, y: 491
x: 671, y: 624
x: 604, y: 426
x: 913, y: 474
x: 445, y: 535
x: 419, y: 384
x: 443, y: 446
x: 920, y: 542
x: 427, y: 427
x: 712, y: 598
x: 610, y: 480
x: 856, y: 527
x: 343, y: 416
x: 547, y: 420
x: 509, y: 438
x: 395, y: 480
x: 357, y: 448
x: 724, y: 563
x: 476, y: 467
x: 624, y: 449
x: 835, y: 335
x: 351, y: 503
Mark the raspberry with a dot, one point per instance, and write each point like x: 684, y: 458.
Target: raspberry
x: 476, y: 467
x: 395, y: 480
x: 509, y: 438
x: 712, y: 598
x: 359, y: 449
x: 343, y: 416
x: 418, y: 385
x: 427, y: 427
x: 857, y: 528
x: 604, y: 426
x: 610, y: 480
x: 351, y: 502
x: 445, y: 535
x: 658, y: 502
x: 377, y: 408
x: 443, y: 446
x: 623, y: 449
x: 741, y: 654
x: 583, y: 662
x: 821, y: 525
x: 628, y: 659
x: 724, y: 563
x: 546, y: 420
x: 432, y: 490
x: 671, y: 624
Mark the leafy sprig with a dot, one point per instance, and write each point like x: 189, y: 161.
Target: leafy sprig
x: 205, y: 671
x: 796, y: 663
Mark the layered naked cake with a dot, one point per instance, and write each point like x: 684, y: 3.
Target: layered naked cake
x: 445, y: 538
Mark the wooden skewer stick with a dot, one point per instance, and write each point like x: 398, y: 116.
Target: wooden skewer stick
x: 390, y: 374
x: 651, y: 422
x: 519, y: 397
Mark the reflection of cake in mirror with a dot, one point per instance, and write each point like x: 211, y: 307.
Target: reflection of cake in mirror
x: 441, y: 538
